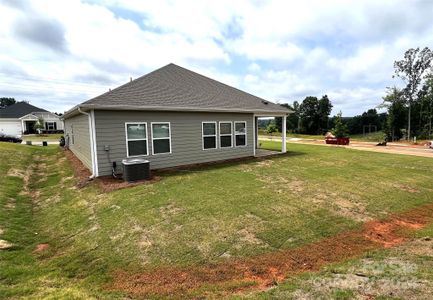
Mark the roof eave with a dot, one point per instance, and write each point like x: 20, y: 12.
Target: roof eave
x: 86, y: 107
x: 70, y: 113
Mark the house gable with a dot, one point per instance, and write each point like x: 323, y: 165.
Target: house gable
x: 18, y: 110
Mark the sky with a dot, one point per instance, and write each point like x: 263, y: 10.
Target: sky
x: 57, y: 54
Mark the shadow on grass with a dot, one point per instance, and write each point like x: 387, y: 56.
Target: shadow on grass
x: 209, y: 166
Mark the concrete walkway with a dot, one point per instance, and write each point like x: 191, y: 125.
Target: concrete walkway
x: 39, y: 143
x: 265, y: 153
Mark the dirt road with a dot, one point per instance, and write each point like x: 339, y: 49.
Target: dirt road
x: 415, y: 150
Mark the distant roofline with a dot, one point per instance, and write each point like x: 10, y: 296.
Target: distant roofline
x: 34, y: 113
x: 74, y: 111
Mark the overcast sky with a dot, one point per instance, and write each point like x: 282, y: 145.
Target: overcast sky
x: 57, y: 54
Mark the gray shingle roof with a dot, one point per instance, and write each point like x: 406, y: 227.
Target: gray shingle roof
x: 175, y: 87
x: 19, y: 110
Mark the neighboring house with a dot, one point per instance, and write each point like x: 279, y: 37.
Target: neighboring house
x: 172, y: 117
x: 20, y: 118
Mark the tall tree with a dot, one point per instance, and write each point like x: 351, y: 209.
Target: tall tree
x: 5, y: 101
x: 370, y: 118
x: 308, y: 114
x: 395, y: 102
x: 412, y: 70
x: 426, y: 99
x: 314, y: 114
x: 324, y: 110
x: 292, y: 118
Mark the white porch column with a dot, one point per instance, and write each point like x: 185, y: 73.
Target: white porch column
x: 254, y: 135
x: 284, y: 129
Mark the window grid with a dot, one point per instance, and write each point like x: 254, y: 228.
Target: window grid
x: 208, y: 135
x: 241, y: 134
x: 132, y: 140
x: 161, y: 138
x: 50, y: 125
x: 226, y: 134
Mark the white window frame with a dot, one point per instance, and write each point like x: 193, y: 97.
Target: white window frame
x: 130, y: 140
x: 163, y: 138
x: 50, y: 123
x: 225, y: 134
x: 235, y: 134
x: 209, y: 135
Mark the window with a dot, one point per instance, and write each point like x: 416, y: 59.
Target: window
x: 50, y: 125
x: 209, y: 135
x: 161, y: 138
x: 226, y: 135
x: 240, y: 134
x: 136, y: 139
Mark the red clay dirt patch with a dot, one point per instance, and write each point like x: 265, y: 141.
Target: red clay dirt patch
x: 108, y: 183
x: 80, y: 171
x: 41, y: 248
x: 266, y: 270
x: 105, y: 183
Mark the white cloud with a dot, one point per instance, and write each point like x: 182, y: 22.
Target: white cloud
x: 254, y: 67
x: 276, y: 49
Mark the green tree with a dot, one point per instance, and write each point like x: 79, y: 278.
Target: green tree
x: 39, y: 125
x: 5, y: 101
x: 324, y: 110
x: 340, y: 128
x: 271, y: 128
x: 412, y: 70
x: 426, y: 112
x: 308, y: 115
x: 292, y: 118
x: 395, y: 103
x: 314, y: 114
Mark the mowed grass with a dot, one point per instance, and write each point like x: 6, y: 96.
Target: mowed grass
x: 263, y: 132
x: 190, y: 217
x: 377, y: 136
x: 53, y: 137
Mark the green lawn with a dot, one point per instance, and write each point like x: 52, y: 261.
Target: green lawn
x: 190, y: 217
x: 42, y: 137
x: 369, y: 137
x: 262, y: 132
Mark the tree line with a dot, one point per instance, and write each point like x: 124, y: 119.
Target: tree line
x: 6, y: 101
x: 409, y: 110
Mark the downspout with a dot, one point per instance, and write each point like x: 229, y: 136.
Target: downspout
x: 92, y: 143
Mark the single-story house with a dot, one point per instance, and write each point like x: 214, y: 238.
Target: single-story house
x: 171, y: 117
x: 21, y: 117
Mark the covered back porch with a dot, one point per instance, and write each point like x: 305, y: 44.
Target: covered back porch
x: 258, y: 151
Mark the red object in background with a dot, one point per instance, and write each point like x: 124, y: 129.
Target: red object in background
x: 337, y: 141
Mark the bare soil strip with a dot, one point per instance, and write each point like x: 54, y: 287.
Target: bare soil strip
x: 266, y: 270
x: 80, y: 171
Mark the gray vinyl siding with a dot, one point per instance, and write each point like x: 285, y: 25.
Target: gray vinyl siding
x: 81, y: 146
x: 186, y: 138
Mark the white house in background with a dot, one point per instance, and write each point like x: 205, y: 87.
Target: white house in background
x: 20, y: 118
